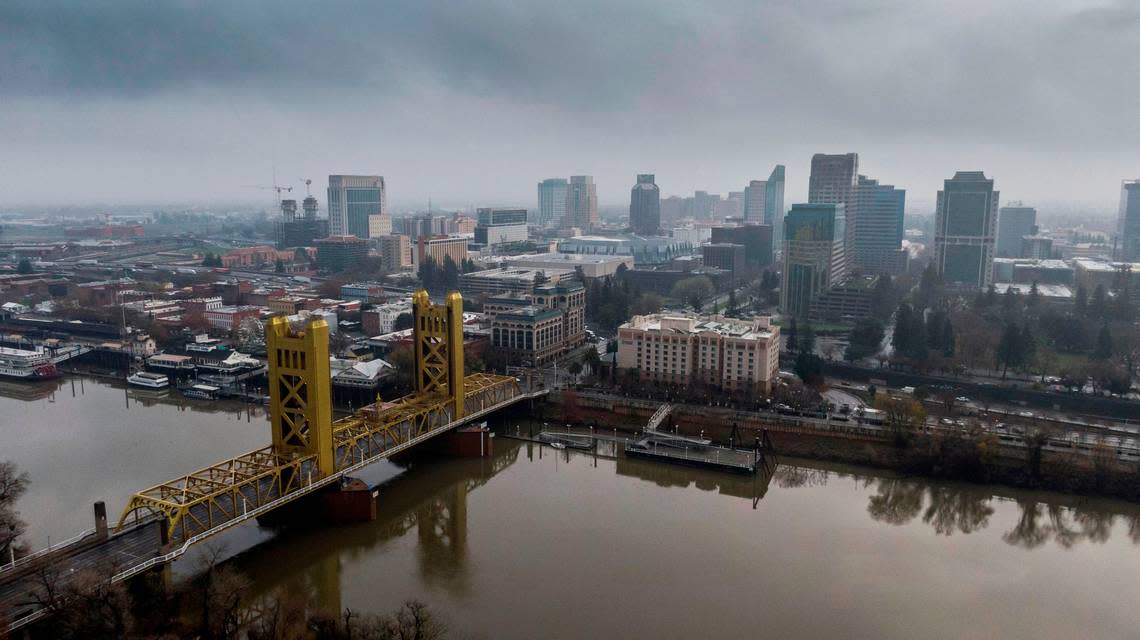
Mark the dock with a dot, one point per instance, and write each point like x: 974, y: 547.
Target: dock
x: 655, y: 446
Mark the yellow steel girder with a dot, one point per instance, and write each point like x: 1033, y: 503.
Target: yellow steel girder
x: 207, y: 498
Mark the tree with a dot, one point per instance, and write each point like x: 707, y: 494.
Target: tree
x: 901, y: 336
x: 1098, y: 306
x: 451, y: 274
x: 427, y: 273
x: 865, y: 339
x: 694, y: 292
x: 1010, y: 303
x: 730, y: 308
x: 402, y: 322
x: 807, y: 340
x: 24, y: 266
x: 1034, y: 297
x: 13, y: 484
x: 883, y: 298
x: 929, y: 287
x: 991, y: 295
x: 1012, y: 349
x: 903, y: 416
x: 1081, y: 300
x: 1103, y: 349
x: 809, y: 368
x: 279, y: 266
x: 646, y: 304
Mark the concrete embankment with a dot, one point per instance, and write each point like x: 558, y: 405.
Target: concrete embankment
x: 977, y: 458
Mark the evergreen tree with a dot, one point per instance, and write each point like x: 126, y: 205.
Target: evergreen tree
x: 1009, y: 348
x: 809, y: 368
x: 730, y: 307
x: 1098, y: 306
x: 882, y: 298
x: 1027, y: 345
x: 991, y: 295
x: 807, y: 339
x: 1009, y: 302
x: 948, y: 342
x: 901, y: 336
x: 1081, y: 301
x: 450, y: 274
x: 427, y: 273
x: 24, y: 266
x: 1034, y: 297
x: 929, y: 287
x: 1103, y: 349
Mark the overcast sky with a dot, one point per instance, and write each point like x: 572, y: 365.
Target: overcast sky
x: 475, y: 102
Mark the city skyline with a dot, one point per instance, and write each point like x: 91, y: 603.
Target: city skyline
x: 121, y: 119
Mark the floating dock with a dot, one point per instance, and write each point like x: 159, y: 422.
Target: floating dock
x: 705, y: 457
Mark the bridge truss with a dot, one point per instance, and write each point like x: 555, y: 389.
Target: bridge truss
x: 309, y: 451
x: 231, y: 491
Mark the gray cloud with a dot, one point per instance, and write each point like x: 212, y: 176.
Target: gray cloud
x: 708, y: 84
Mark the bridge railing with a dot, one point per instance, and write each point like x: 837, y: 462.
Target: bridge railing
x: 23, y: 560
x: 211, y: 499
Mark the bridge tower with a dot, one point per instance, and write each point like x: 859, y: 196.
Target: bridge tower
x: 438, y: 330
x: 300, y: 393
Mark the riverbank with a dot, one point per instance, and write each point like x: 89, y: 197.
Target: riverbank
x: 953, y: 456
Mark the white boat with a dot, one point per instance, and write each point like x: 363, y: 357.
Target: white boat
x: 24, y: 364
x: 202, y: 391
x: 149, y: 380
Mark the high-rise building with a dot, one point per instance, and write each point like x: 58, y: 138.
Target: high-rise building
x: 553, y: 194
x: 774, y: 201
x: 395, y: 252
x: 833, y: 180
x: 674, y: 208
x: 500, y: 226
x: 352, y: 200
x: 1128, y: 222
x: 581, y: 203
x: 878, y: 231
x: 340, y: 253
x: 965, y: 223
x: 756, y: 238
x: 1014, y: 223
x: 755, y: 196
x: 814, y: 257
x: 645, y: 206
x: 726, y: 257
x: 704, y: 204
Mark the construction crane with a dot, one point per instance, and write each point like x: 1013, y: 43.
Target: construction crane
x: 308, y: 191
x: 275, y: 187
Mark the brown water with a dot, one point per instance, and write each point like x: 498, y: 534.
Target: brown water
x: 536, y: 543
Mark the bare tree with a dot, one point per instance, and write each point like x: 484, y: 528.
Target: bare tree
x: 13, y: 484
x: 83, y: 604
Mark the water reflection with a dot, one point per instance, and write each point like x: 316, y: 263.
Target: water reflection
x: 431, y: 497
x: 955, y: 508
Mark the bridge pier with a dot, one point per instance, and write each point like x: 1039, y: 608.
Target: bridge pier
x: 474, y: 441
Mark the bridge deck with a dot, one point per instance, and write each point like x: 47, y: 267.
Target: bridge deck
x: 22, y: 588
x: 231, y: 491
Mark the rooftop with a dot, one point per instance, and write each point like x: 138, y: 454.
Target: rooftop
x: 759, y: 328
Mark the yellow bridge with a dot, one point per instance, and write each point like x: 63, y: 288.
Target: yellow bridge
x: 309, y: 450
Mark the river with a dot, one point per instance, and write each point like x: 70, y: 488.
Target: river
x: 535, y: 542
